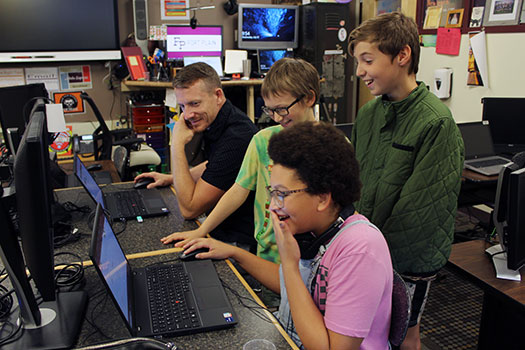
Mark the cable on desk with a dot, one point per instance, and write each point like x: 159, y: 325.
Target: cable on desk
x: 14, y: 332
x: 6, y: 301
x: 257, y: 310
x: 132, y: 343
x: 91, y: 319
x: 72, y: 274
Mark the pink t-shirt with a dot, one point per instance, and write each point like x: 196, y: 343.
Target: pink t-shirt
x: 354, y: 285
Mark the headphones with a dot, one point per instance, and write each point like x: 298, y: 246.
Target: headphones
x: 309, y: 244
x: 231, y: 7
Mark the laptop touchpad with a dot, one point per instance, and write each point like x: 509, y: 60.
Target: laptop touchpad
x: 210, y: 298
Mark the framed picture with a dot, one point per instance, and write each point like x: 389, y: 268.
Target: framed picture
x: 432, y: 17
x: 476, y: 17
x: 454, y: 18
x: 71, y: 101
x: 502, y: 12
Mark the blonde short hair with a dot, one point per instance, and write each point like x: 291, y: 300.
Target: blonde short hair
x: 294, y: 76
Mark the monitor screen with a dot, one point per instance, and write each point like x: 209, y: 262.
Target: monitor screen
x: 15, y: 105
x: 268, y: 57
x: 214, y: 61
x: 506, y: 118
x: 268, y: 26
x: 202, y: 41
x: 42, y: 30
x: 34, y: 201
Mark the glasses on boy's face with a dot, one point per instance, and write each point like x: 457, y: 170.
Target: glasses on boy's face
x: 277, y: 114
x: 278, y: 195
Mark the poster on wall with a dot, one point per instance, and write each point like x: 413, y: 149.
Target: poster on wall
x: 477, y: 60
x: 75, y: 78
x: 71, y: 101
x: 173, y: 10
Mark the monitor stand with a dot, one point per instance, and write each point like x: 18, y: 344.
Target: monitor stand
x: 61, y: 321
x: 499, y: 258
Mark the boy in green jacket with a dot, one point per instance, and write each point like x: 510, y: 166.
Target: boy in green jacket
x: 410, y: 153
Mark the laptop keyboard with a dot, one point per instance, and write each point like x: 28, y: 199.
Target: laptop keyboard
x: 129, y: 204
x: 170, y: 299
x: 488, y: 162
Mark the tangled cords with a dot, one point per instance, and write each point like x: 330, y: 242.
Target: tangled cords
x: 132, y: 344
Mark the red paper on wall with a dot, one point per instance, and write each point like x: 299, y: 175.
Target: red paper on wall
x: 448, y: 41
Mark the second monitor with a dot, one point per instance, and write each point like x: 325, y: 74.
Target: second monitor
x: 266, y: 58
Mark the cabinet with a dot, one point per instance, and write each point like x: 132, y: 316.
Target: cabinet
x: 149, y: 123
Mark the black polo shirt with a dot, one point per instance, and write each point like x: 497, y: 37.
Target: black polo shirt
x: 225, y: 142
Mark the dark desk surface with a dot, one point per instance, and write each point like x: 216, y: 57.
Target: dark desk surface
x: 107, y: 165
x: 471, y: 258
x: 477, y: 177
x: 144, y: 237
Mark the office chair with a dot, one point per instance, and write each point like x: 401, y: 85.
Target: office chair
x: 104, y: 139
x: 401, y: 308
x: 107, y: 145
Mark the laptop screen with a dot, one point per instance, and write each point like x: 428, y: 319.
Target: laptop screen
x: 477, y: 140
x: 88, y: 182
x: 214, y: 61
x: 112, y: 263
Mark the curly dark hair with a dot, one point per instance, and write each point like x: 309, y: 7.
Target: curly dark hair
x: 323, y: 158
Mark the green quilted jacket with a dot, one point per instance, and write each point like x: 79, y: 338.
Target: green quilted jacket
x: 411, y: 156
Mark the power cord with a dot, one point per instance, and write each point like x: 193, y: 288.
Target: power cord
x: 134, y: 343
x: 72, y: 274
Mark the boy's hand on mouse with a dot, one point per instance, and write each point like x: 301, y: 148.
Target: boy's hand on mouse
x: 287, y: 244
x: 217, y: 249
x: 160, y: 180
x: 182, y: 237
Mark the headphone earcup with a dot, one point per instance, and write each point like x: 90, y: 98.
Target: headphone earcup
x: 231, y: 7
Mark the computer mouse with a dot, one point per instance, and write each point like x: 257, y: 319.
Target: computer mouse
x: 191, y: 255
x: 94, y: 167
x: 143, y: 183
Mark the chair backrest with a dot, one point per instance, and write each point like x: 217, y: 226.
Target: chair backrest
x: 120, y: 159
x: 401, y: 307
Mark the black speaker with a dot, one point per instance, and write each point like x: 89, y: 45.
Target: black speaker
x: 140, y: 21
x: 231, y: 7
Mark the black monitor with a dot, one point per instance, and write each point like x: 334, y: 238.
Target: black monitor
x: 263, y: 26
x: 508, y: 216
x: 15, y: 105
x: 59, y: 30
x: 61, y: 312
x: 506, y: 118
x: 267, y: 58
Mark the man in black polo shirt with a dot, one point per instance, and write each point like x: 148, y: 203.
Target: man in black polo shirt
x: 227, y: 131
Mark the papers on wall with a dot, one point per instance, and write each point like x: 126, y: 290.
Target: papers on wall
x: 171, y: 99
x: 75, y: 78
x: 12, y: 76
x: 46, y: 75
x: 233, y: 61
x: 479, y: 52
x: 432, y: 17
x: 448, y: 41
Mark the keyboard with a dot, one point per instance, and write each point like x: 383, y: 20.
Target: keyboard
x: 170, y: 299
x: 488, y: 162
x: 129, y: 203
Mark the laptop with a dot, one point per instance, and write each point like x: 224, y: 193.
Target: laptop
x: 479, y: 150
x: 159, y: 300
x: 125, y: 204
x: 214, y: 61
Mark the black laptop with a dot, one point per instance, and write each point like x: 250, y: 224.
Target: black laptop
x: 160, y: 300
x: 479, y: 149
x: 125, y: 204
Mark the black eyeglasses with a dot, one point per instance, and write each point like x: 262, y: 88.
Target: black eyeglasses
x: 279, y: 195
x: 280, y: 111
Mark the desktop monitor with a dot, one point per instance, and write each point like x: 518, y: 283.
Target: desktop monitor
x: 15, y: 105
x: 200, y: 41
x: 506, y: 118
x: 509, y: 207
x: 61, y: 312
x: 262, y: 26
x: 267, y: 58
